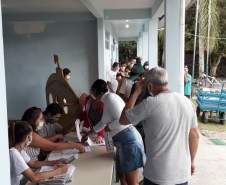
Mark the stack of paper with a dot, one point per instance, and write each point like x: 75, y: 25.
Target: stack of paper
x: 60, y: 179
x: 63, y: 154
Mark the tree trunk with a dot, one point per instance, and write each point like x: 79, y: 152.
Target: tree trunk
x: 163, y: 59
x: 201, y: 57
x: 214, y: 65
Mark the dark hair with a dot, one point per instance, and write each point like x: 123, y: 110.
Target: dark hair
x: 119, y: 74
x: 18, y: 132
x: 146, y: 63
x: 123, y: 64
x: 31, y: 115
x: 66, y: 71
x: 138, y: 60
x: 53, y: 109
x: 99, y: 87
x: 115, y: 64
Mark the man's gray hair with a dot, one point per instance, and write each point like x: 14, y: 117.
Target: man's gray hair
x: 157, y: 76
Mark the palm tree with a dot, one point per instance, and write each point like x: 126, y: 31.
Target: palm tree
x: 220, y: 53
x: 203, y: 30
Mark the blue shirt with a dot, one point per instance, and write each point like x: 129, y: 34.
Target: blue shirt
x: 187, y: 85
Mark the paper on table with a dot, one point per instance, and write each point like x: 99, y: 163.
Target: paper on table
x: 88, y: 149
x: 91, y: 143
x: 77, y: 127
x: 64, y: 154
x: 59, y: 179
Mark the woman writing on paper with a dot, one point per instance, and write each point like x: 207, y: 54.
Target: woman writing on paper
x: 34, y: 118
x: 20, y: 137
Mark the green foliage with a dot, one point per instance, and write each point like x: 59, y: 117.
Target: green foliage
x: 190, y: 28
x: 214, y: 21
x: 218, y: 30
x: 222, y: 27
x: 127, y: 49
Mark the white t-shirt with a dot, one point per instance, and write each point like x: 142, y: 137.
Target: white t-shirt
x: 126, y: 87
x: 111, y: 77
x: 167, y: 120
x: 113, y: 107
x: 18, y: 164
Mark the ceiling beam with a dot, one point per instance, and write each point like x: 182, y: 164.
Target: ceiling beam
x: 127, y: 38
x: 189, y: 3
x: 123, y: 14
x: 52, y: 17
x: 156, y: 8
x: 96, y: 11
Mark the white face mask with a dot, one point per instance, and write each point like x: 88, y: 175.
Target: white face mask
x: 29, y: 141
x: 68, y: 77
x: 40, y: 125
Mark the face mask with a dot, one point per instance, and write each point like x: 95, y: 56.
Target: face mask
x: 146, y: 67
x: 29, y: 141
x: 40, y: 125
x: 68, y: 77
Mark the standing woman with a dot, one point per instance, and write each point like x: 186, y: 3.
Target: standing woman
x: 130, y: 154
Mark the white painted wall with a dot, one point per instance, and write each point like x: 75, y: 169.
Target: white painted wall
x: 4, y: 159
x: 145, y: 54
x: 153, y: 42
x: 28, y: 60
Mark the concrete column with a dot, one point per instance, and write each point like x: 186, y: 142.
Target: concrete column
x: 101, y: 48
x: 174, y: 43
x: 4, y: 159
x: 145, y: 46
x: 153, y: 42
x: 140, y: 44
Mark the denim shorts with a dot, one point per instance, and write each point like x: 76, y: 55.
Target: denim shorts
x: 130, y: 153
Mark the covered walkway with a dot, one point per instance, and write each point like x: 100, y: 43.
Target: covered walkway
x: 85, y: 33
x: 210, y: 165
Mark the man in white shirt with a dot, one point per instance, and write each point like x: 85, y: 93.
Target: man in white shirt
x: 111, y: 78
x: 171, y: 133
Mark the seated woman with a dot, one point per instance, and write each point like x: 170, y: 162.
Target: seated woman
x: 20, y: 137
x: 91, y: 115
x: 130, y: 154
x: 48, y: 126
x: 34, y: 117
